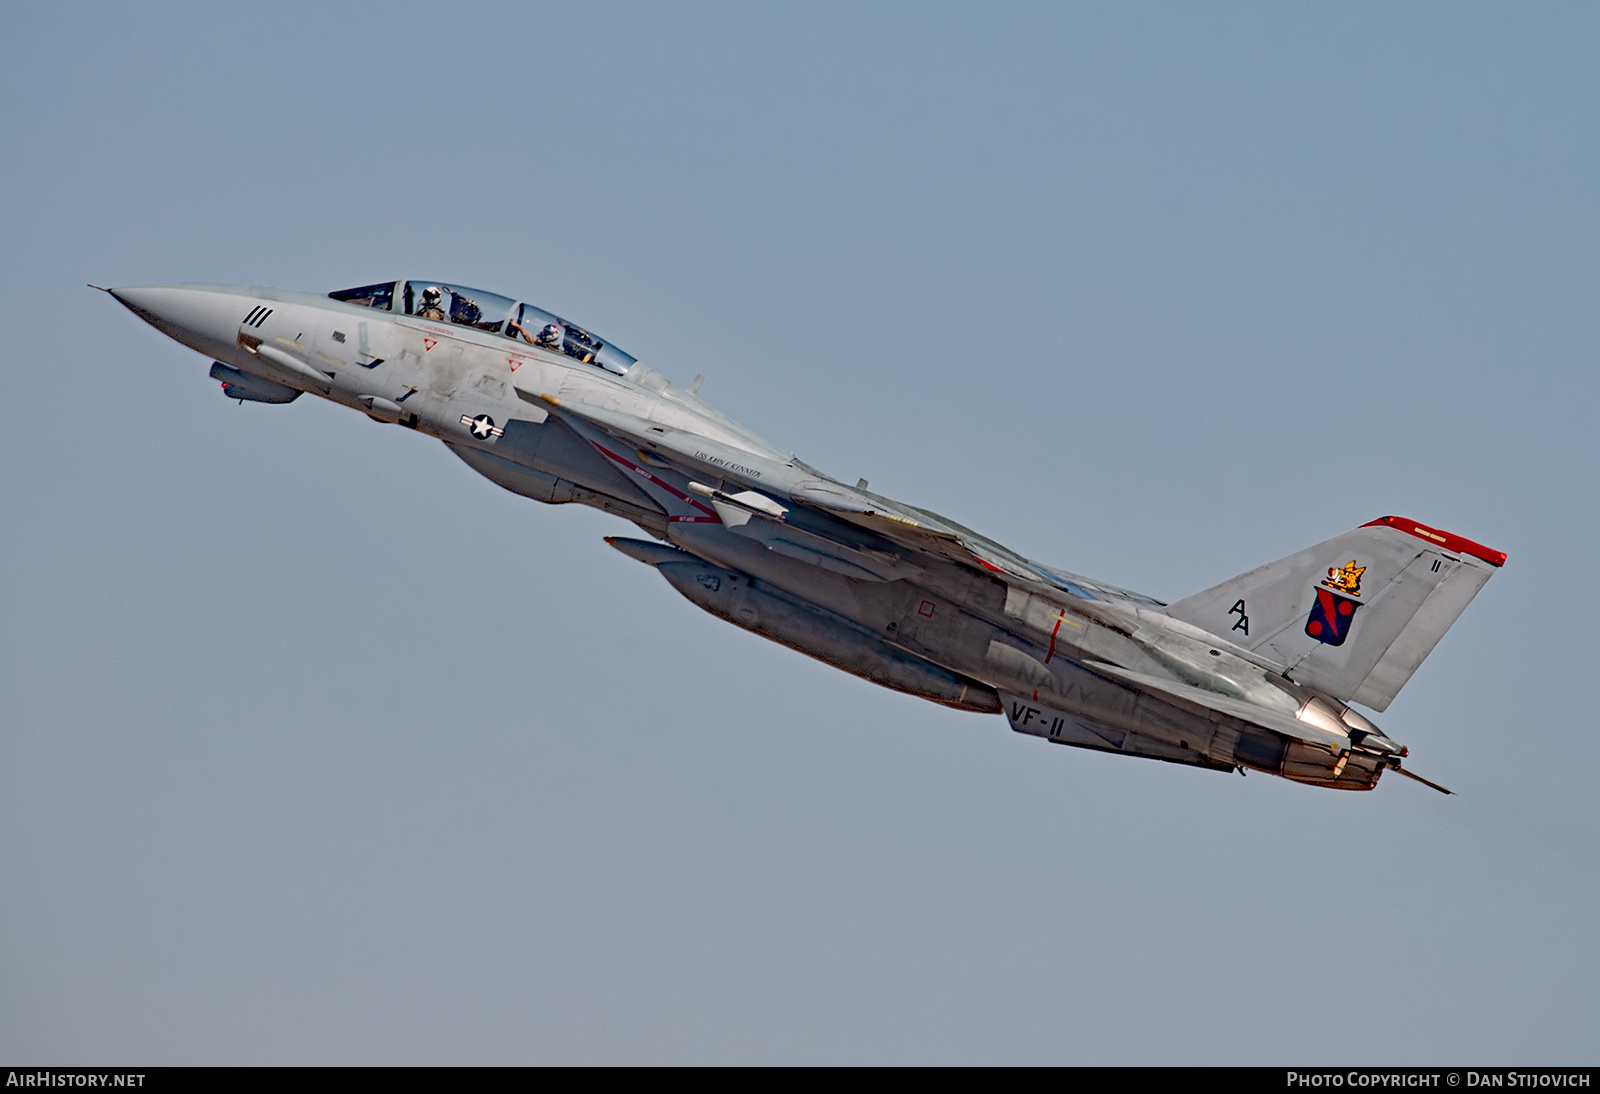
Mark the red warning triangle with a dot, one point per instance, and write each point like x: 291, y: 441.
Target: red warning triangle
x: 429, y: 343
x: 514, y: 363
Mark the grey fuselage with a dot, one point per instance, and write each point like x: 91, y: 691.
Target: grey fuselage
x: 747, y: 531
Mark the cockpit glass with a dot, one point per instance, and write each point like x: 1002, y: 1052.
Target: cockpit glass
x: 443, y: 302
x: 537, y: 327
x: 368, y: 296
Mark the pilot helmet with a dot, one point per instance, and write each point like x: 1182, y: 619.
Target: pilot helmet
x: 550, y: 333
x: 431, y: 295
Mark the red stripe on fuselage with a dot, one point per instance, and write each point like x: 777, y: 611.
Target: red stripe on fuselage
x: 667, y: 486
x: 1051, y: 652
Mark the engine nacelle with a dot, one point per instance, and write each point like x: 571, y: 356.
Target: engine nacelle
x: 814, y: 631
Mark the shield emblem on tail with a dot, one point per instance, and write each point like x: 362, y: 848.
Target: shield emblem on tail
x: 1330, y: 618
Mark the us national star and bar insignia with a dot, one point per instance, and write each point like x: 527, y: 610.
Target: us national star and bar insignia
x: 482, y: 427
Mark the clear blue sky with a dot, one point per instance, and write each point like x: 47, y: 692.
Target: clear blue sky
x: 316, y: 748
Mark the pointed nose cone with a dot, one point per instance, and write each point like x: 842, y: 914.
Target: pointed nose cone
x: 201, y: 317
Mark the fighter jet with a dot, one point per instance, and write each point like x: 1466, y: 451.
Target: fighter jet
x: 1257, y: 673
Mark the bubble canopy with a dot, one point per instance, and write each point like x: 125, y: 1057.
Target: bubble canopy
x: 449, y: 302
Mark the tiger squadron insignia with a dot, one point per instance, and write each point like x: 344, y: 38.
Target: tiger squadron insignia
x: 1345, y: 579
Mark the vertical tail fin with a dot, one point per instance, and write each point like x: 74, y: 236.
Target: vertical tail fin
x: 1354, y: 615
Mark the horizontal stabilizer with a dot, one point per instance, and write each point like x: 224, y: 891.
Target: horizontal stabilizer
x: 1202, y: 701
x: 1029, y: 716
